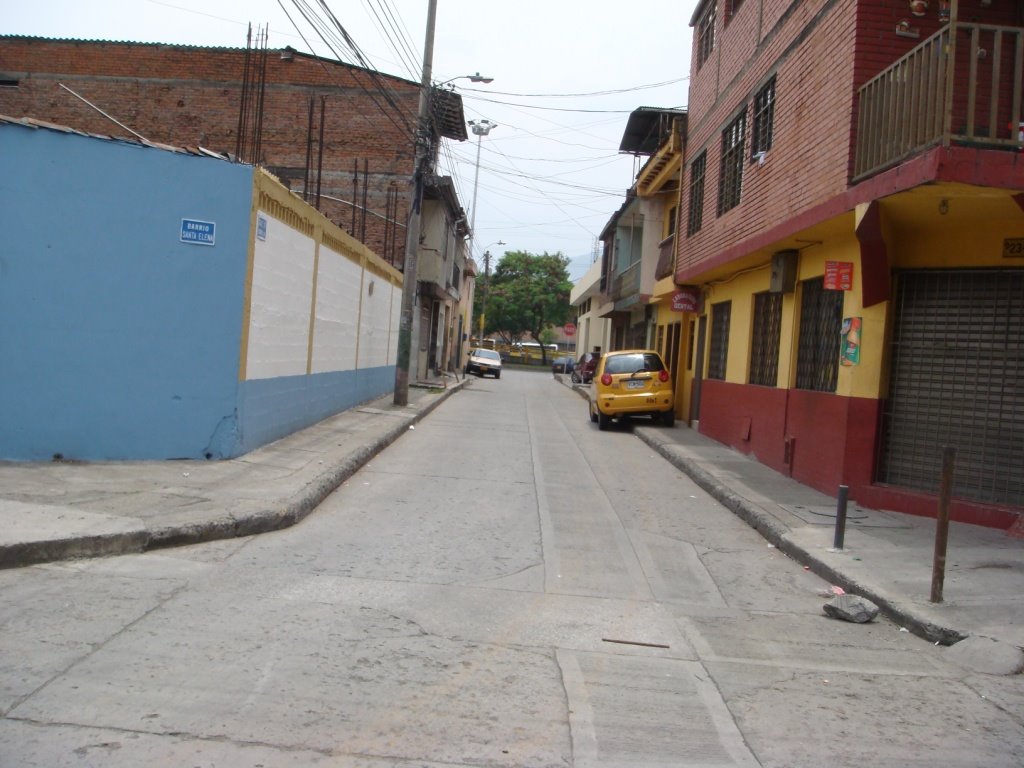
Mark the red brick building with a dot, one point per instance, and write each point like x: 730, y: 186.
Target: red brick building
x: 851, y: 214
x: 191, y: 96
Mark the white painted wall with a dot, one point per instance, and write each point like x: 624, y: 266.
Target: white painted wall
x: 376, y: 319
x: 336, y: 326
x: 282, y: 290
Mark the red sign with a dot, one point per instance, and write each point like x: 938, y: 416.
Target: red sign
x: 686, y: 300
x: 569, y: 329
x: 838, y: 275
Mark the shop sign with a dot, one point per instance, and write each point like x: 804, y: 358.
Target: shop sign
x: 838, y: 275
x: 686, y: 300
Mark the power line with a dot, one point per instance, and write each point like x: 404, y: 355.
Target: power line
x: 631, y: 89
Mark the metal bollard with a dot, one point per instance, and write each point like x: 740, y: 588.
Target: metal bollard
x: 942, y: 523
x: 840, y: 535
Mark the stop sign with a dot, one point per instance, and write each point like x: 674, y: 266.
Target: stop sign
x: 570, y: 329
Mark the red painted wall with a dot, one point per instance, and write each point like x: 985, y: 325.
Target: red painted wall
x: 731, y: 412
x: 831, y: 439
x: 833, y: 442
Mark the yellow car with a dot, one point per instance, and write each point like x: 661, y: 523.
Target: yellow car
x: 631, y: 382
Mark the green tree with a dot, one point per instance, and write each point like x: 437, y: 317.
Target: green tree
x: 528, y: 293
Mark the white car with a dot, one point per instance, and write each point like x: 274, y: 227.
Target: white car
x: 484, y: 361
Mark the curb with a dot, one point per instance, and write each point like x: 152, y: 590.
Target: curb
x: 292, y: 510
x: 776, y: 534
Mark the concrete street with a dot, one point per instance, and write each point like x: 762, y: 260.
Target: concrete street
x: 503, y: 586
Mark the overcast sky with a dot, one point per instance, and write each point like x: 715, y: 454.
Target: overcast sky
x: 567, y: 73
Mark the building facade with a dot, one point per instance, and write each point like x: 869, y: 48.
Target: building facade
x: 340, y: 136
x: 165, y: 304
x: 851, y: 214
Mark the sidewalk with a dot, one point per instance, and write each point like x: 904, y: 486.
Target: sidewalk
x: 887, y: 557
x: 64, y: 510
x: 61, y: 510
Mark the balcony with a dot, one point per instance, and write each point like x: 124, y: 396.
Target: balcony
x: 626, y: 288
x: 962, y: 86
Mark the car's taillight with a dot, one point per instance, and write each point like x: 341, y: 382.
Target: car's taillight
x: 662, y: 375
x: 606, y: 379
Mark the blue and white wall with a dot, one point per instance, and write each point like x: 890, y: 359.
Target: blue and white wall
x: 322, y: 328
x: 123, y: 335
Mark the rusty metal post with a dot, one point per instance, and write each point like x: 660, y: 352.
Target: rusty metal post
x: 942, y: 522
x: 840, y: 534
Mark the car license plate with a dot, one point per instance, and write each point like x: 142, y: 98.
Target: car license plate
x: 636, y: 384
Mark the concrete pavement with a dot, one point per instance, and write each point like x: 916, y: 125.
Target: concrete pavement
x: 56, y: 511
x: 60, y: 510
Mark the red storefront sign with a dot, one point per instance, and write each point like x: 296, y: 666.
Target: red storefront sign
x: 686, y: 300
x: 838, y: 275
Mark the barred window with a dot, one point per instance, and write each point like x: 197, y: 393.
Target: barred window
x: 719, y: 347
x: 734, y: 6
x: 696, y: 214
x: 764, y: 346
x: 764, y: 119
x: 706, y: 34
x: 821, y: 321
x: 730, y: 179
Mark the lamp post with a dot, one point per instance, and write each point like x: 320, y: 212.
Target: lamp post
x: 481, y: 128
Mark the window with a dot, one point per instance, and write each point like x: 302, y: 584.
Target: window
x: 734, y: 6
x: 764, y: 119
x: 730, y: 180
x: 706, y: 34
x: 821, y: 321
x: 696, y: 214
x: 720, y: 315
x: 764, y: 344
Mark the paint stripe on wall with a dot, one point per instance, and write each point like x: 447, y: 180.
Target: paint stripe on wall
x: 336, y: 326
x: 282, y: 289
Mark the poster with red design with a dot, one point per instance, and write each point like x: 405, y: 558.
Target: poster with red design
x: 839, y: 275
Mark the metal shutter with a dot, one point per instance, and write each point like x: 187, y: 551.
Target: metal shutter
x: 957, y: 378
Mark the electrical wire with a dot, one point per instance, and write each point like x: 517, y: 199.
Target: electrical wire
x: 399, y: 42
x: 631, y: 89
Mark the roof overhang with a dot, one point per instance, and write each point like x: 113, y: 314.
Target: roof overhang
x: 648, y: 128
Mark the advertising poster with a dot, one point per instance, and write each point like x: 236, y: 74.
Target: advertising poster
x: 849, y: 353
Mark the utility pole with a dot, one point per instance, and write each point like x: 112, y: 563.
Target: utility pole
x: 483, y: 299
x: 406, y: 358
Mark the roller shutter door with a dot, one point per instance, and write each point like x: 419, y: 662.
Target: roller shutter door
x: 957, y: 378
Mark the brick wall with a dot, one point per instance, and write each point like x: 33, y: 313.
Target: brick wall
x: 821, y: 52
x: 810, y: 48
x: 188, y: 96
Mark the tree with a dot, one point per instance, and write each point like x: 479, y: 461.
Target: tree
x: 528, y: 293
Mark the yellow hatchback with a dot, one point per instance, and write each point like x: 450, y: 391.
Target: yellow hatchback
x: 631, y: 382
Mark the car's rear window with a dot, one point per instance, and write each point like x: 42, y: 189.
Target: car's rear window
x: 632, y: 363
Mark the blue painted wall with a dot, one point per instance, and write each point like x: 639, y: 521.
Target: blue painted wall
x: 273, y: 408
x: 117, y: 340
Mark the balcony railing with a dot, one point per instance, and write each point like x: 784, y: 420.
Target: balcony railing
x: 961, y: 86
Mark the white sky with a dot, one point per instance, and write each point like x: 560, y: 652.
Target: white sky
x: 550, y: 173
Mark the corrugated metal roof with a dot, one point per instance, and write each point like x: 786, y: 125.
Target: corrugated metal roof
x: 30, y: 122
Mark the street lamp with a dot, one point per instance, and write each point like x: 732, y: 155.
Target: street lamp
x: 477, y: 78
x: 481, y: 128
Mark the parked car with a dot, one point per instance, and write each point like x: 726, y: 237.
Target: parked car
x: 583, y: 371
x: 483, y: 362
x: 563, y: 365
x: 631, y: 382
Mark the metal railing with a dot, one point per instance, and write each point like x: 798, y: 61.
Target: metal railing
x: 962, y: 85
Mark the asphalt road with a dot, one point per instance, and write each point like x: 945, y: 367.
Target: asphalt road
x: 504, y: 586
